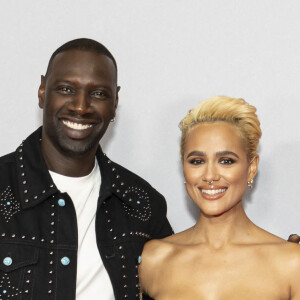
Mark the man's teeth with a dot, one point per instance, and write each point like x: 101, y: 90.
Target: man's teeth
x: 213, y: 192
x: 76, y: 126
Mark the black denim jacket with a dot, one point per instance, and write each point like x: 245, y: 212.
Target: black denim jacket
x: 38, y: 233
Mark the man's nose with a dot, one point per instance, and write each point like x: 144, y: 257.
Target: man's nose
x: 80, y: 103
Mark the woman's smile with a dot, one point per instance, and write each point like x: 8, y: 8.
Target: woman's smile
x: 212, y: 194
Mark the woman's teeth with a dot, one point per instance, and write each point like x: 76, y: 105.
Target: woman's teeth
x: 213, y: 192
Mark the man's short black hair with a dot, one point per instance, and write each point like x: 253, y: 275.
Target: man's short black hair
x: 83, y: 44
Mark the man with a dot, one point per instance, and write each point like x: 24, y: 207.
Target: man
x: 73, y: 222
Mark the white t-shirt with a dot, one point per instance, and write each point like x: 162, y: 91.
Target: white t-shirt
x: 92, y: 278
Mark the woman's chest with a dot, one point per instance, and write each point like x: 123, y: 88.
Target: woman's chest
x: 241, y: 275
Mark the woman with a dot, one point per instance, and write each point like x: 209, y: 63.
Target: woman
x: 224, y: 255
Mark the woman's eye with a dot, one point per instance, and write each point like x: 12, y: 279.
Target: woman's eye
x: 227, y: 161
x: 196, y: 161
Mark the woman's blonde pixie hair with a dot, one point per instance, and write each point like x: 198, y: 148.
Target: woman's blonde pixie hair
x: 232, y: 110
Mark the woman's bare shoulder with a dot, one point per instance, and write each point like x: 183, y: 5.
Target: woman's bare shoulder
x: 289, y: 256
x: 290, y: 252
x: 285, y: 257
x: 156, y: 252
x: 278, y: 246
x: 266, y: 237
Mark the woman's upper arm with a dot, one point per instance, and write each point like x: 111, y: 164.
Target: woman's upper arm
x: 153, y: 258
x: 147, y: 266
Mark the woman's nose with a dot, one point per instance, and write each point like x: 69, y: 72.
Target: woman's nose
x: 210, y: 173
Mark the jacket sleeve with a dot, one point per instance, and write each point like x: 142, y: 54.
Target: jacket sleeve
x: 146, y: 297
x: 163, y: 227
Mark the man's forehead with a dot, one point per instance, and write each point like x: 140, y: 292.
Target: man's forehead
x: 76, y: 56
x: 82, y: 60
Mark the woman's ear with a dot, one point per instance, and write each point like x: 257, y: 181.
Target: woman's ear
x: 252, y: 170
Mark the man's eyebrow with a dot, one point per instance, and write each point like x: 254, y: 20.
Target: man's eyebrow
x: 221, y: 153
x: 196, y: 153
x: 74, y: 82
x: 57, y: 81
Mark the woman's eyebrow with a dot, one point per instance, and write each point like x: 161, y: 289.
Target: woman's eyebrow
x: 196, y: 153
x: 221, y: 153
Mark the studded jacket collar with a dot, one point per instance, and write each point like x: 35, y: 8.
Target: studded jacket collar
x: 38, y: 236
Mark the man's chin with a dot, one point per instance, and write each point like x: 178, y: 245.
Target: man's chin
x: 77, y: 148
x: 76, y: 134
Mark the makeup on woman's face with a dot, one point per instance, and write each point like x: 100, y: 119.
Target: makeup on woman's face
x: 215, y: 167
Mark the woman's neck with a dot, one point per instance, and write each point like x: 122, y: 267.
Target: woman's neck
x: 232, y: 227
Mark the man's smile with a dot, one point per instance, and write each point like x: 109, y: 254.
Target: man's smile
x: 76, y: 126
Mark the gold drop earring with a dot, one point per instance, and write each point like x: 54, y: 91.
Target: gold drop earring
x: 250, y: 183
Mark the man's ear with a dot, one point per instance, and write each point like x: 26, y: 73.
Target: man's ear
x: 117, y: 97
x: 252, y: 170
x: 116, y: 100
x: 41, y: 92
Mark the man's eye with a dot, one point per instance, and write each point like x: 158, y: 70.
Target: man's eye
x: 196, y: 161
x: 98, y: 94
x: 65, y: 90
x: 227, y: 161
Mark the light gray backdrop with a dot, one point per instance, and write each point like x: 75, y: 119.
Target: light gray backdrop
x: 171, y: 54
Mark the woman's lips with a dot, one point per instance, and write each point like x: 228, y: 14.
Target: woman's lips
x: 213, y: 194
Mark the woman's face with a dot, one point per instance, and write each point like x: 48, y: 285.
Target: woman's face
x: 216, y: 152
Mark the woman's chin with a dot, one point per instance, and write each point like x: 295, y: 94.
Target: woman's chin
x: 212, y: 210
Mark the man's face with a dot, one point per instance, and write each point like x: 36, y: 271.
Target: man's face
x: 79, y: 97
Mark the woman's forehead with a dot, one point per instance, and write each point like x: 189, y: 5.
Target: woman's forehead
x: 215, y: 135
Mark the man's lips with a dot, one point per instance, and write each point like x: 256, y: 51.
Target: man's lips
x: 77, y: 128
x: 78, y: 124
